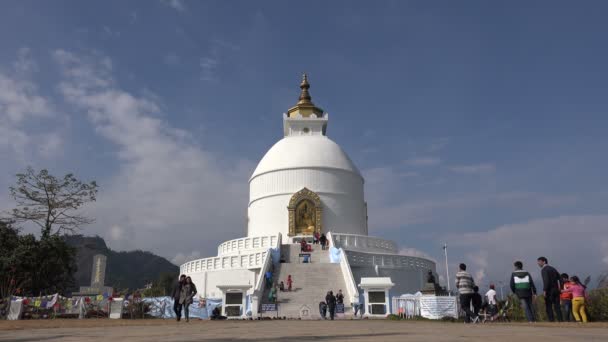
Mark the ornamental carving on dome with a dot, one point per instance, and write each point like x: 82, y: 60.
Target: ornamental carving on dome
x: 305, y: 213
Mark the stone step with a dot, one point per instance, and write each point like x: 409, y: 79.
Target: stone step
x: 311, y: 284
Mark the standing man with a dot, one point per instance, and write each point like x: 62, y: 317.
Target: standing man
x: 176, y: 293
x: 551, y: 289
x: 566, y: 297
x: 523, y: 286
x: 331, y: 304
x: 465, y: 284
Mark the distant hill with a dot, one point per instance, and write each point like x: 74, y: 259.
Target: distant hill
x: 130, y: 270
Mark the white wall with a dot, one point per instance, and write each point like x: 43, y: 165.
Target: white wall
x: 206, y: 282
x: 341, y: 194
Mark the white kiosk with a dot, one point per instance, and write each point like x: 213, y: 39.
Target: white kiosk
x: 234, y: 300
x: 376, y: 296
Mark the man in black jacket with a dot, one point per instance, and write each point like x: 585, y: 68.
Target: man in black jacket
x: 177, y: 289
x: 551, y: 289
x: 523, y: 287
x: 330, y: 299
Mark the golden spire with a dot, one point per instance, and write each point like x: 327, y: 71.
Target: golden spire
x: 305, y: 107
x: 304, y: 94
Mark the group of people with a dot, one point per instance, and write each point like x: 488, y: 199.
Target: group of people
x: 319, y: 239
x: 561, y: 292
x: 183, y: 295
x: 330, y: 303
x: 274, y: 287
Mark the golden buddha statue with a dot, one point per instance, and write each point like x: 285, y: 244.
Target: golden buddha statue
x: 305, y: 218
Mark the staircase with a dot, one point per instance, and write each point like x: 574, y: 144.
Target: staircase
x: 311, y: 282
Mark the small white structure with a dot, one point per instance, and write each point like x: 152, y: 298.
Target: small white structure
x: 234, y: 298
x: 375, y: 294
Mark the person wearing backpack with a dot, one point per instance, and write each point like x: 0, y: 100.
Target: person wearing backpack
x: 523, y: 287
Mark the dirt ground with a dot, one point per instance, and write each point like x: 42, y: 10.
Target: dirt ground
x: 345, y: 330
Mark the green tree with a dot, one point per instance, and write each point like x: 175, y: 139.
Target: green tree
x: 50, y: 202
x: 166, y: 282
x: 31, y: 266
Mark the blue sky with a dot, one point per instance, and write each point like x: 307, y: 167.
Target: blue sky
x: 481, y: 123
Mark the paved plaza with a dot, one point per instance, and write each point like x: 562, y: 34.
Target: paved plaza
x: 348, y: 330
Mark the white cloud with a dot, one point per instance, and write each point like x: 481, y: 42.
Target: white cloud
x: 475, y: 169
x: 181, y: 258
x: 574, y: 244
x: 169, y: 194
x: 22, y: 108
x: 177, y: 5
x: 208, y: 68
x: 423, y: 161
x: 171, y: 59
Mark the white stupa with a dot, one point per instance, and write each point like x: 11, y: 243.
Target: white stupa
x: 304, y: 184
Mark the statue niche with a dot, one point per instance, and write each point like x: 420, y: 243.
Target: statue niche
x: 305, y: 224
x: 304, y: 213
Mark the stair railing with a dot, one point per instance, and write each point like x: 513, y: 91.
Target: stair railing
x: 347, y: 274
x: 258, y: 291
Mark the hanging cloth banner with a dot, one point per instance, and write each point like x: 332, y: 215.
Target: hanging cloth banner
x: 51, y: 303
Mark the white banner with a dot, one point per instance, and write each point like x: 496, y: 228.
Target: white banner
x: 434, y: 307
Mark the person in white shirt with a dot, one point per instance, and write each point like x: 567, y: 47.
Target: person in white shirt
x: 491, y: 300
x: 491, y: 295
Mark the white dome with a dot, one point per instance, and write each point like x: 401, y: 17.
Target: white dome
x: 315, y: 151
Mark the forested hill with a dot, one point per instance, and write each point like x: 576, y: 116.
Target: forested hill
x: 124, y: 270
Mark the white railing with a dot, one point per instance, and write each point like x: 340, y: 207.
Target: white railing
x: 260, y: 284
x: 243, y: 261
x: 349, y: 279
x: 237, y: 246
x: 389, y: 261
x: 363, y: 243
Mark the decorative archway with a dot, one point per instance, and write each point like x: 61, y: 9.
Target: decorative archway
x: 305, y: 213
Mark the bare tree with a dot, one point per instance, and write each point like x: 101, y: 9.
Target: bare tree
x: 51, y: 203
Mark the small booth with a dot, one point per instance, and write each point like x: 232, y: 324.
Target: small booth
x: 377, y: 301
x: 234, y: 300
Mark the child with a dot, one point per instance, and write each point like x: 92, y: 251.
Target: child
x: 289, y: 282
x: 476, y: 300
x: 578, y: 299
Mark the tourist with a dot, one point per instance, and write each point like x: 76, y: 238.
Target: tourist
x: 566, y: 298
x: 491, y: 300
x: 216, y: 314
x: 282, y: 286
x: 176, y: 293
x: 551, y: 289
x: 323, y: 240
x: 323, y: 310
x: 272, y: 295
x: 268, y: 277
x: 187, y: 294
x: 315, y: 238
x: 289, y: 282
x: 303, y: 246
x: 340, y: 297
x: 578, y: 299
x: 465, y: 284
x: 331, y: 304
x: 476, y: 300
x: 523, y: 287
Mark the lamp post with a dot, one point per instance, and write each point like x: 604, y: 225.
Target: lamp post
x: 447, y: 270
x: 502, y: 294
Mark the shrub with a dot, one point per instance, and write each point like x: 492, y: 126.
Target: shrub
x: 597, y: 306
